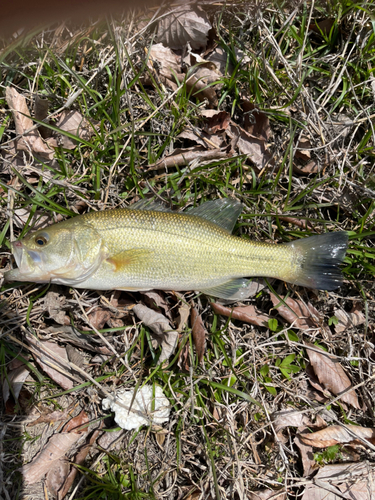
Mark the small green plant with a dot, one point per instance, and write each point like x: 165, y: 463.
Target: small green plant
x: 330, y: 454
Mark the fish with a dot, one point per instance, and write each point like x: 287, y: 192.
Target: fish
x: 150, y: 247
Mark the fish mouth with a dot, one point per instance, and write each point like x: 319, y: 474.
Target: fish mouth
x: 26, y: 260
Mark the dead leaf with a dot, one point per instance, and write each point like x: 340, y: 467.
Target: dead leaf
x: 48, y: 362
x: 307, y: 456
x: 297, y: 313
x: 185, y: 156
x: 352, y: 481
x: 198, y: 89
x: 323, y: 26
x: 208, y: 76
x: 165, y: 336
x: 290, y: 418
x: 199, y: 333
x: 249, y: 145
x: 256, y: 122
x: 216, y: 122
x: 31, y: 141
x: 69, y: 334
x: 50, y: 418
x: 184, y: 313
x: 56, y: 475
x: 54, y: 304
x: 39, y: 219
x: 75, y: 424
x: 78, y: 460
x: 267, y: 495
x: 331, y: 374
x: 99, y: 317
x: 164, y: 61
x: 74, y: 123
x: 56, y: 448
x: 155, y: 300
x: 183, y: 25
x: 41, y: 112
x: 336, y: 434
x: 15, y: 378
x: 248, y: 314
x: 223, y: 62
x: 349, y: 320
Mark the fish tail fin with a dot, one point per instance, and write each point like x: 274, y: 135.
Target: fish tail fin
x: 318, y: 260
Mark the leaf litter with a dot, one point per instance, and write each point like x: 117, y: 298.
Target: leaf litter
x: 244, y: 130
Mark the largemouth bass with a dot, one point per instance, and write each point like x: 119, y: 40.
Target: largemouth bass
x: 149, y: 248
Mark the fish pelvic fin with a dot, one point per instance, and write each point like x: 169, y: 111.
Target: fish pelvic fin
x: 318, y: 259
x: 124, y: 259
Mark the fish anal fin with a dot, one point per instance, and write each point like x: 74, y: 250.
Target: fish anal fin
x: 223, y: 212
x: 234, y: 289
x: 125, y: 258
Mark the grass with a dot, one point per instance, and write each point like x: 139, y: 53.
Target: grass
x: 220, y: 442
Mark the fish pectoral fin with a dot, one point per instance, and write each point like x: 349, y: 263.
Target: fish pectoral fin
x: 125, y: 258
x: 234, y: 289
x: 222, y: 212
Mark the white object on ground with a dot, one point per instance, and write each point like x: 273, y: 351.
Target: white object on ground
x: 141, y: 412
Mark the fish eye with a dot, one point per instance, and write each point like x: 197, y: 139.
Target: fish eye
x: 41, y: 240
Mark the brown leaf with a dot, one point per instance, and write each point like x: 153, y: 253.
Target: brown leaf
x: 349, y: 320
x: 185, y: 156
x: 352, y: 481
x: 267, y: 495
x: 31, y: 141
x: 249, y: 145
x: 307, y: 456
x: 248, y: 314
x: 56, y: 475
x: 48, y: 362
x: 164, y: 335
x: 41, y: 112
x: 183, y: 25
x: 78, y: 460
x: 336, y: 434
x: 54, y: 303
x: 199, y: 333
x: 50, y: 418
x: 56, y: 448
x: 184, y: 313
x: 223, y: 62
x: 290, y: 418
x: 198, y: 89
x: 15, y: 378
x: 99, y: 317
x: 39, y: 219
x: 256, y: 122
x: 164, y: 61
x: 331, y: 374
x: 217, y: 121
x: 297, y: 313
x: 75, y: 423
x: 74, y: 123
x: 323, y: 26
x: 155, y: 300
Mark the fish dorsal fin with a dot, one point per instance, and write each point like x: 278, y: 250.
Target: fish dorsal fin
x: 234, y: 289
x: 222, y: 212
x: 149, y: 204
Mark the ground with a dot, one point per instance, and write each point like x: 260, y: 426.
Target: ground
x: 271, y: 397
